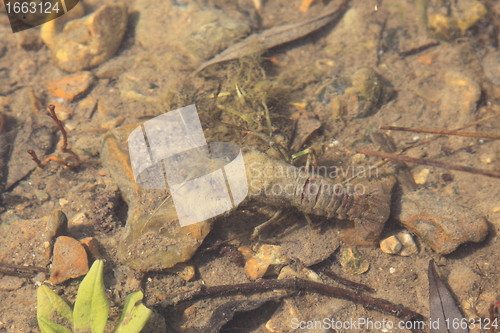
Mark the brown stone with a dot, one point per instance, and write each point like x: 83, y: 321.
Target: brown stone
x: 91, y: 244
x: 72, y: 87
x: 24, y: 242
x: 69, y: 260
x: 440, y: 222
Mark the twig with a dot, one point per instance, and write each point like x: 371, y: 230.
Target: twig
x: 64, y: 146
x: 52, y: 111
x: 36, y: 159
x: 368, y: 302
x: 444, y: 165
x: 455, y: 129
x: 418, y: 49
x: 18, y: 270
x: 347, y: 283
x: 3, y: 121
x: 442, y: 132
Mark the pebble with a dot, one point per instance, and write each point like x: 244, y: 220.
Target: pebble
x: 22, y: 242
x: 440, y: 222
x: 267, y: 261
x: 42, y: 196
x: 78, y: 219
x: 91, y: 245
x: 352, y: 261
x: 113, y: 123
x: 187, y: 273
x: 69, y: 260
x: 391, y: 245
x: 409, y: 246
x: 458, y: 103
x: 362, y: 93
x: 72, y: 87
x: 89, y: 41
x: 63, y: 202
x: 421, y: 177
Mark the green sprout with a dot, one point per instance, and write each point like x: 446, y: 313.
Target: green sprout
x: 91, y: 308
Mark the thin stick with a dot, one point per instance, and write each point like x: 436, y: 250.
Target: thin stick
x: 3, y: 121
x: 36, y: 159
x: 64, y: 145
x: 18, y: 270
x: 442, y: 132
x: 52, y: 111
x: 404, y: 158
x: 347, y: 283
x: 455, y: 129
x: 418, y: 49
x: 368, y: 302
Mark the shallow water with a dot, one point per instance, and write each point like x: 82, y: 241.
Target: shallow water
x: 444, y: 86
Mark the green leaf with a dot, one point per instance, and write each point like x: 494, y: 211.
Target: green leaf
x: 134, y: 316
x: 49, y: 302
x: 91, y: 306
x: 46, y: 326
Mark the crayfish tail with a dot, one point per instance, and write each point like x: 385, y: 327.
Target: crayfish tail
x: 371, y: 210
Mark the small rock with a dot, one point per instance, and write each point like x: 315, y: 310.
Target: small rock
x: 91, y: 244
x: 78, y: 219
x: 440, y: 222
x: 69, y: 260
x: 409, y: 246
x: 72, y: 87
x: 87, y: 42
x: 421, y: 177
x: 187, y: 273
x: 63, y: 202
x: 458, y: 103
x: 266, y: 261
x: 9, y: 283
x: 352, y: 262
x: 113, y: 123
x: 391, y: 245
x: 22, y: 242
x: 42, y: 196
x: 362, y: 93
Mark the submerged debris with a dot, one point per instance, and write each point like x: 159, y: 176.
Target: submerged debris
x: 275, y: 36
x: 153, y: 238
x: 359, y: 95
x: 449, y: 28
x: 352, y: 261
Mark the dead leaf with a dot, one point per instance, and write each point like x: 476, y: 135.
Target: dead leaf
x: 445, y: 316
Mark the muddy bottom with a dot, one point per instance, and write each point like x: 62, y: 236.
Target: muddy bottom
x: 376, y: 64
